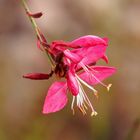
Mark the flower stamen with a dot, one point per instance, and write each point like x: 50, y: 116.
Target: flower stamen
x: 82, y: 100
x: 72, y: 104
x: 90, y: 87
x: 82, y: 110
x: 92, y: 75
x: 109, y: 86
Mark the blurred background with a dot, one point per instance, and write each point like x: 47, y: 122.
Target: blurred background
x: 21, y: 100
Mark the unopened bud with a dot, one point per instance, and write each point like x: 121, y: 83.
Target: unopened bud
x: 36, y: 76
x: 35, y: 15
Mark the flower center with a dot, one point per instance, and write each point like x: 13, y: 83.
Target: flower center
x: 61, y: 70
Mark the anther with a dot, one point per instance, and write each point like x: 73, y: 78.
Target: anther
x: 108, y: 87
x: 94, y: 113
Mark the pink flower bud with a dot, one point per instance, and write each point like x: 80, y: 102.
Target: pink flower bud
x: 35, y: 15
x: 36, y: 76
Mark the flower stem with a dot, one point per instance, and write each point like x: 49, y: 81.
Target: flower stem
x: 34, y: 25
x: 36, y: 28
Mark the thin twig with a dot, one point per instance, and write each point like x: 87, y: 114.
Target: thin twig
x: 36, y: 28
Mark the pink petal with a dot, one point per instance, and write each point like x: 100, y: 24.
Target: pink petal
x: 72, y: 83
x: 74, y: 57
x: 84, y: 41
x: 100, y: 72
x: 59, y: 43
x: 106, y: 40
x: 58, y: 46
x: 56, y: 98
x: 91, y: 54
x: 87, y: 41
x: 105, y: 58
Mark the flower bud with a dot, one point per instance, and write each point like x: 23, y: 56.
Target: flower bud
x: 36, y: 76
x: 35, y: 15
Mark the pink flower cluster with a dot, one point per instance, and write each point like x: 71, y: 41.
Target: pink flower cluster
x: 75, y: 61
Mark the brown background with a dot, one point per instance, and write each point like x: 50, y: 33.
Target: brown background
x: 21, y: 100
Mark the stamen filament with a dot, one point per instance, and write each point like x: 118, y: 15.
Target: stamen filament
x: 72, y: 104
x: 107, y: 86
x: 87, y: 70
x: 82, y: 81
x: 90, y: 105
x: 82, y: 99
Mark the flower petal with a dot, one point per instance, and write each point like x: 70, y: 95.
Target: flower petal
x: 72, y: 82
x: 91, y: 54
x: 106, y: 40
x: 84, y: 41
x: 87, y: 41
x: 105, y: 58
x: 56, y: 98
x: 100, y: 72
x: 74, y: 57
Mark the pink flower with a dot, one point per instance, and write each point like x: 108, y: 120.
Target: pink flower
x: 75, y: 61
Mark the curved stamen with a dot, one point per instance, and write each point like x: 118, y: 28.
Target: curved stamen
x: 72, y: 104
x: 107, y: 86
x: 88, y: 71
x: 90, y: 87
x: 89, y: 103
x: 82, y: 100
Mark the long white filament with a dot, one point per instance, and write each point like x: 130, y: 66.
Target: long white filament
x: 82, y: 81
x: 82, y: 99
